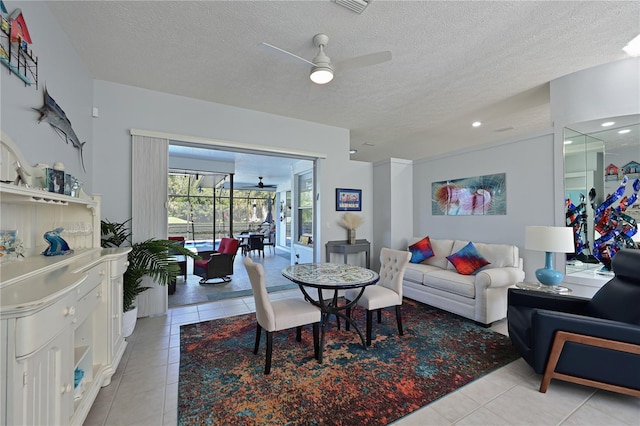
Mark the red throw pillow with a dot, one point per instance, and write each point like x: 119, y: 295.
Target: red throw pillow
x: 467, y: 260
x: 421, y: 250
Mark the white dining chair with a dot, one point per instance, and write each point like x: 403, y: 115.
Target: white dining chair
x: 280, y: 314
x: 385, y: 293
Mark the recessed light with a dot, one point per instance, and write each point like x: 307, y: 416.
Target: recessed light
x: 624, y: 131
x: 568, y: 142
x: 353, y: 151
x: 608, y: 124
x: 476, y: 124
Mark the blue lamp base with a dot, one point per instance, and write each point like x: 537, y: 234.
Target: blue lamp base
x: 548, y: 275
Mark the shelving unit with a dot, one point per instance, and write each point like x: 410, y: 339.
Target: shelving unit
x: 57, y: 313
x: 20, y: 61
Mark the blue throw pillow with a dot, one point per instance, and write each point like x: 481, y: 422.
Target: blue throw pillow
x: 467, y: 260
x: 421, y: 250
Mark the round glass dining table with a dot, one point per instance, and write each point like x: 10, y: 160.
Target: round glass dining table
x: 331, y: 276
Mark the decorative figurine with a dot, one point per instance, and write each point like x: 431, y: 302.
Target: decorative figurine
x: 57, y: 245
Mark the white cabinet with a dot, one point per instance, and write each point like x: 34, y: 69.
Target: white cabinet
x: 45, y: 372
x: 58, y: 315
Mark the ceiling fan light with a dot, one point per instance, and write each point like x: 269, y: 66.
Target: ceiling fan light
x: 321, y: 74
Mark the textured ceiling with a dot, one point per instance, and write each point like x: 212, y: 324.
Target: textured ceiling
x: 453, y: 61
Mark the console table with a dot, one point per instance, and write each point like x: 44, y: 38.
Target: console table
x: 343, y: 246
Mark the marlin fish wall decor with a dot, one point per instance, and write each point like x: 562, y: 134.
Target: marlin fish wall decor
x: 51, y: 113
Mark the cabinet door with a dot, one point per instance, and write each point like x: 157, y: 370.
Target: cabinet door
x: 46, y: 381
x: 115, y: 331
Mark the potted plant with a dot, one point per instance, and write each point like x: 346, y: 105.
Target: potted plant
x: 152, y: 257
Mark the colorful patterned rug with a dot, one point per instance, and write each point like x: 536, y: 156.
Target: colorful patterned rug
x: 222, y: 381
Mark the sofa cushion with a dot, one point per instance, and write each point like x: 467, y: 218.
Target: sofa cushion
x: 415, y: 271
x: 451, y: 282
x: 441, y: 249
x: 421, y: 250
x: 467, y: 260
x: 498, y: 255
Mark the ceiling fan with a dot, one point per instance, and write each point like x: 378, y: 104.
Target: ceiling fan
x: 322, y: 68
x: 262, y: 185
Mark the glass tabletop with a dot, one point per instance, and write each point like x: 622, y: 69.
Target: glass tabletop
x: 330, y: 275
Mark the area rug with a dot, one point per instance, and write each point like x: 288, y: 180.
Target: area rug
x: 248, y: 292
x: 222, y: 382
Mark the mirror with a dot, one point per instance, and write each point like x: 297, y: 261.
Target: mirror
x: 597, y: 158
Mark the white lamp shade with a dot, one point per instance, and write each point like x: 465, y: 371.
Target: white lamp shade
x: 556, y: 239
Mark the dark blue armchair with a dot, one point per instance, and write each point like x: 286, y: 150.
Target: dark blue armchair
x: 593, y: 342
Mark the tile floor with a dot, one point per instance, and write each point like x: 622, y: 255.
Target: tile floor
x: 144, y: 389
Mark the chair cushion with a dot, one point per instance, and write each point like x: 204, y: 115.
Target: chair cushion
x: 375, y: 297
x: 467, y: 260
x: 291, y: 313
x: 619, y: 298
x: 228, y: 245
x: 421, y: 250
x: 201, y: 263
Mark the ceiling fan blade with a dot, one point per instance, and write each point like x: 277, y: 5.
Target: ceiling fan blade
x: 283, y: 53
x: 364, y: 60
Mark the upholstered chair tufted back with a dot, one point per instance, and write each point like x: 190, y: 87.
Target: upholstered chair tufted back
x: 392, y: 266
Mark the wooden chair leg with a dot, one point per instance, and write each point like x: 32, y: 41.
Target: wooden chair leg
x: 258, y: 334
x: 299, y: 333
x: 369, y: 321
x: 379, y: 316
x: 267, y: 365
x: 399, y: 319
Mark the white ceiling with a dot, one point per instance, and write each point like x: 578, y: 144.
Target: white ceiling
x: 454, y: 62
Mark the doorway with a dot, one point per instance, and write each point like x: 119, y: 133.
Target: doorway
x: 245, y: 191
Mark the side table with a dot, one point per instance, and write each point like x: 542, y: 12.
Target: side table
x: 181, y: 260
x: 343, y: 246
x: 555, y: 289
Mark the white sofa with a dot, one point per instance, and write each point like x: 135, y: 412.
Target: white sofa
x: 481, y: 297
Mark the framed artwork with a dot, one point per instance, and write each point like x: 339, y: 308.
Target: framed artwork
x: 55, y: 181
x: 348, y: 200
x: 480, y: 195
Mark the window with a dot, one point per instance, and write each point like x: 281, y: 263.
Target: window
x: 192, y: 205
x: 304, y: 224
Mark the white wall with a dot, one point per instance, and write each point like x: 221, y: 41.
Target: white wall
x: 123, y: 108
x: 609, y: 90
x: 393, y: 206
x: 529, y: 186
x: 68, y: 82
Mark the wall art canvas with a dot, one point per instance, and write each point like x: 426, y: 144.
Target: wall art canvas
x: 481, y: 195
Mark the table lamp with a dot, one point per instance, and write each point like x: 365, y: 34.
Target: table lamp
x: 550, y: 239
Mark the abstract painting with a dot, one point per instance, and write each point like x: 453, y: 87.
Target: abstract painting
x: 481, y: 195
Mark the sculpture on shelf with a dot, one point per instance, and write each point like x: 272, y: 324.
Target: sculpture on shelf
x: 615, y: 227
x: 57, y: 245
x: 577, y: 219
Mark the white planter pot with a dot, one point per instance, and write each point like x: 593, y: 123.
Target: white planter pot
x: 129, y: 319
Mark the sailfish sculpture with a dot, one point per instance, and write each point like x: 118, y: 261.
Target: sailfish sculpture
x: 51, y: 113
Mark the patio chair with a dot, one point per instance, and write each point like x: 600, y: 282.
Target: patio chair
x: 217, y: 264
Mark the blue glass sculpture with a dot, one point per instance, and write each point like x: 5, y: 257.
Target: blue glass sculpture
x: 57, y: 245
